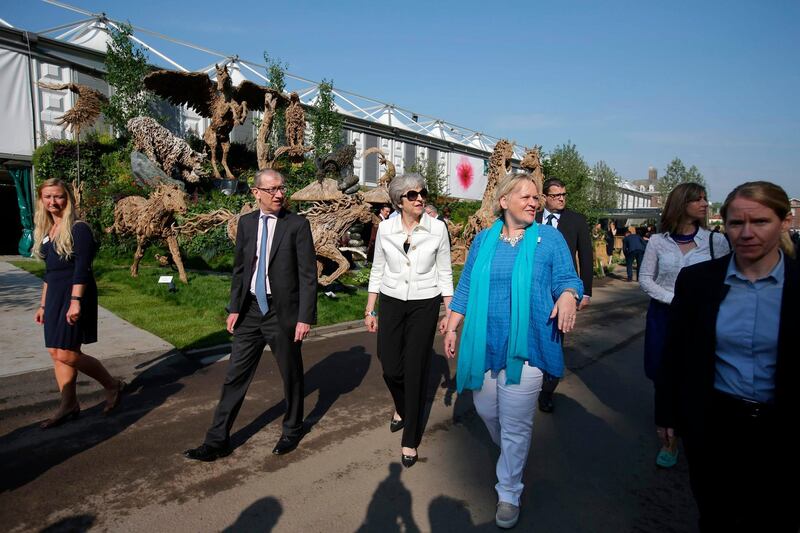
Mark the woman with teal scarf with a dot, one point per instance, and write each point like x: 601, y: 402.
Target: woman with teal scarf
x: 517, y: 294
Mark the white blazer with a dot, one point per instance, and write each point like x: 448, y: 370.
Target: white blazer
x: 424, y: 272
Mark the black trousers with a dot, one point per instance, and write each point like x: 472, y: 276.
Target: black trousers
x: 250, y: 338
x: 743, y: 470
x: 405, y: 343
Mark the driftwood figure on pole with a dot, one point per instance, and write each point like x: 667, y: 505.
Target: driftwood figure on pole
x: 226, y: 105
x: 84, y: 112
x: 262, y: 138
x: 295, y: 130
x: 499, y: 167
x: 380, y: 194
x: 151, y: 218
x: 86, y: 109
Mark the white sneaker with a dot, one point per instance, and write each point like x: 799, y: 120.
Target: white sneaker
x: 507, y: 515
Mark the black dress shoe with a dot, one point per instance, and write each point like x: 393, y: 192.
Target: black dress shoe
x: 396, y: 425
x: 408, y: 460
x: 546, y: 402
x: 285, y: 445
x: 207, y: 453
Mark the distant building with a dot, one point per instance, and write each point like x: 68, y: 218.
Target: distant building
x: 647, y: 186
x: 795, y: 205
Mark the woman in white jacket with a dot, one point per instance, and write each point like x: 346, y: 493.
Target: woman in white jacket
x: 411, y: 274
x: 683, y: 241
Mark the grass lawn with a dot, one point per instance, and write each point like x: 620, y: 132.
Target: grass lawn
x: 194, y: 315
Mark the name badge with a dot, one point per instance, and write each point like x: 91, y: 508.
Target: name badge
x: 46, y: 239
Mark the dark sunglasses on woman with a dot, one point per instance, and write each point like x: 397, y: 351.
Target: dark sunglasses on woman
x: 412, y: 195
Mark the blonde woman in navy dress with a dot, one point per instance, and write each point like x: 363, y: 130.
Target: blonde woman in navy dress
x: 68, y: 308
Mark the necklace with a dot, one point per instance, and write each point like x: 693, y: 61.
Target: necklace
x: 513, y: 241
x: 684, y: 239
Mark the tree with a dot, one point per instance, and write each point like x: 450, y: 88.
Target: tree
x: 326, y: 123
x: 675, y: 174
x: 434, y: 175
x: 567, y: 164
x: 126, y: 67
x: 276, y: 72
x: 605, y: 182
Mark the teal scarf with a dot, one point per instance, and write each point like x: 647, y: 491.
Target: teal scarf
x: 472, y: 351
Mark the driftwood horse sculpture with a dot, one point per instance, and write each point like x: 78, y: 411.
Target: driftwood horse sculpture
x: 151, y: 218
x: 329, y: 223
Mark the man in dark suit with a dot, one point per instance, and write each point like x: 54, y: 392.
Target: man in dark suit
x: 728, y: 381
x: 273, y: 301
x: 575, y: 229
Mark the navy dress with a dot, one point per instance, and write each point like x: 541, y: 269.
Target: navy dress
x: 60, y: 276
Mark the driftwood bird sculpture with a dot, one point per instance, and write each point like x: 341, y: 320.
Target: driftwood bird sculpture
x: 86, y: 108
x: 222, y: 102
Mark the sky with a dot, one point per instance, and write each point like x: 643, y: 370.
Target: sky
x: 632, y: 83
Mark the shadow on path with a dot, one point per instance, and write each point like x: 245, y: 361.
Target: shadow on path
x: 334, y: 376
x: 389, y: 510
x: 262, y: 516
x: 73, y: 524
x: 28, y: 452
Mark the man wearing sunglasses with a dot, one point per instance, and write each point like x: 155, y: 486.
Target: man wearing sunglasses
x: 273, y: 301
x: 575, y: 229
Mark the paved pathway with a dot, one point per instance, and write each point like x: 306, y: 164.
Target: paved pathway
x: 22, y: 340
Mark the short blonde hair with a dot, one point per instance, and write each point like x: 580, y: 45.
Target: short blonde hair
x: 507, y: 186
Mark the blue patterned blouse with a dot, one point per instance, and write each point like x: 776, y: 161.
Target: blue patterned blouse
x: 553, y: 271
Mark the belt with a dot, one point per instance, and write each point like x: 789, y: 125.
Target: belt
x: 743, y: 407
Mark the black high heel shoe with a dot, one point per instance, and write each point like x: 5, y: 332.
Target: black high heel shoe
x: 72, y: 414
x: 396, y: 425
x: 409, y: 460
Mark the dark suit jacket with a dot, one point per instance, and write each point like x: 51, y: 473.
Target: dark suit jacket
x: 292, y: 269
x: 686, y: 381
x: 575, y: 229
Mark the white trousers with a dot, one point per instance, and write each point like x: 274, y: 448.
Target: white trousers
x: 507, y: 411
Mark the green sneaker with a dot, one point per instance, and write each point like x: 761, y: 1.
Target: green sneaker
x: 666, y: 459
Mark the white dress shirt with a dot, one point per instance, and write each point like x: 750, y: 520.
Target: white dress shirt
x: 546, y: 214
x: 271, y: 221
x: 424, y: 272
x: 663, y: 260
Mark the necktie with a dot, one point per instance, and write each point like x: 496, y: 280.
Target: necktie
x: 261, y: 271
x: 550, y: 218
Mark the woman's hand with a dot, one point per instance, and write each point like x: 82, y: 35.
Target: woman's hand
x: 74, y: 312
x: 450, y: 344
x: 39, y: 316
x: 443, y: 324
x: 372, y: 323
x: 565, y: 310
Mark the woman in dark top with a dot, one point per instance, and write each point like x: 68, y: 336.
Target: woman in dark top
x: 68, y: 308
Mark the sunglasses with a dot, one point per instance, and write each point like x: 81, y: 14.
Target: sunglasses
x: 413, y: 195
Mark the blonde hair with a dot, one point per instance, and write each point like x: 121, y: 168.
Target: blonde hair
x: 43, y: 221
x: 507, y: 186
x: 769, y: 195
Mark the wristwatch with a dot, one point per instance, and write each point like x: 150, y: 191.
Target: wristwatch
x: 370, y: 313
x: 573, y: 292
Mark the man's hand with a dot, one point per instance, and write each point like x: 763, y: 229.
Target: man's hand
x: 231, y: 321
x: 39, y: 316
x: 301, y: 331
x: 584, y: 302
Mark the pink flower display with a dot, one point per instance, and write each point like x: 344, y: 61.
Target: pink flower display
x: 465, y: 172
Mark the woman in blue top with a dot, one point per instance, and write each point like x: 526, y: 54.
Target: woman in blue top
x: 518, y: 292
x: 68, y: 308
